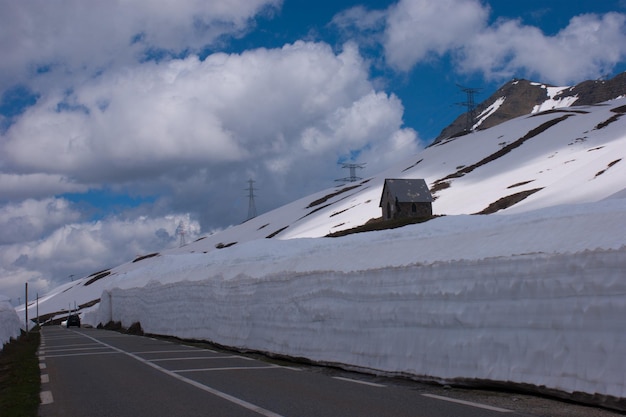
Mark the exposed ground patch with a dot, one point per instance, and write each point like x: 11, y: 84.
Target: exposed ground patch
x: 329, y: 196
x: 519, y: 184
x: 275, y: 233
x: 224, y: 245
x: 608, y: 121
x: 608, y: 166
x: 412, y: 166
x: 380, y: 224
x: 150, y: 255
x: 97, y: 276
x: 508, y: 201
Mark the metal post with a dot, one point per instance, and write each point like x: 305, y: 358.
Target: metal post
x: 26, y: 307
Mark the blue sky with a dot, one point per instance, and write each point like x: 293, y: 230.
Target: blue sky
x: 118, y: 121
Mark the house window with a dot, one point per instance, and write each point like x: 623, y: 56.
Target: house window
x: 388, y: 210
x: 413, y: 208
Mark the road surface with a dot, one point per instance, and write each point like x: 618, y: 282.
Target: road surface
x: 91, y: 372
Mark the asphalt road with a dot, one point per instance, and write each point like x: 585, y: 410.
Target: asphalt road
x: 91, y: 372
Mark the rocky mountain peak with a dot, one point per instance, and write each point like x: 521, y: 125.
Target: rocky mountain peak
x: 519, y: 97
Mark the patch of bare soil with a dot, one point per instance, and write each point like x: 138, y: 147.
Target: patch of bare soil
x: 97, y: 276
x: 608, y: 166
x: 508, y: 201
x: 271, y: 235
x: 141, y: 258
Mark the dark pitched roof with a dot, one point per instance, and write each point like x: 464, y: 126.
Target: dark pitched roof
x: 407, y: 190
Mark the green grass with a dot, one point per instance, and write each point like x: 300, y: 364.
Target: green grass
x: 19, y: 376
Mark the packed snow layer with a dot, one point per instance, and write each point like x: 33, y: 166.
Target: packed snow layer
x: 10, y: 323
x: 536, y: 298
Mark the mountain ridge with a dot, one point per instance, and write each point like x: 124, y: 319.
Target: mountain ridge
x: 520, y: 97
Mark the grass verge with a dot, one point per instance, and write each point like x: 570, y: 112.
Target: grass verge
x: 20, y: 382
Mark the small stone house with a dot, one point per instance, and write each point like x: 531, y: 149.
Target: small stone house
x: 406, y: 198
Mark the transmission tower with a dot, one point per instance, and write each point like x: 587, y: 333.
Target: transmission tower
x: 180, y: 232
x: 470, y: 115
x: 352, y: 167
x: 251, y: 206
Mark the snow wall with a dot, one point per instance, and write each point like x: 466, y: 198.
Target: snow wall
x: 10, y: 324
x: 554, y: 321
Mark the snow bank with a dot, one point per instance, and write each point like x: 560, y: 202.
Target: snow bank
x: 10, y: 323
x: 536, y: 298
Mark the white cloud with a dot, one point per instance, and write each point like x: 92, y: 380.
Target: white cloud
x: 419, y: 31
x: 588, y: 47
x: 29, y: 219
x: 17, y: 186
x: 78, y: 248
x: 180, y: 116
x: 74, y: 39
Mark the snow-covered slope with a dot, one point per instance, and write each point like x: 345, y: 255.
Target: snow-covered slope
x: 533, y: 294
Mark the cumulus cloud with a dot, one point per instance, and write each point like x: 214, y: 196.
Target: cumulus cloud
x: 188, y: 132
x: 75, y: 249
x: 72, y: 39
x: 589, y: 46
x: 273, y: 108
x: 420, y: 31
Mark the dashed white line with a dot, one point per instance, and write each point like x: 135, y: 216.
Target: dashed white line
x: 469, y: 403
x: 373, y: 384
x: 42, y: 365
x: 83, y: 354
x: 69, y: 349
x: 230, y: 368
x: 196, y: 358
x: 196, y: 384
x: 172, y: 351
x: 45, y: 378
x: 46, y: 397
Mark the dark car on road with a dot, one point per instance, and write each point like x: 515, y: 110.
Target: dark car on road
x: 73, y: 320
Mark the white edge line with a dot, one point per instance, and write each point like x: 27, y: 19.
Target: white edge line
x: 372, y: 384
x: 196, y: 384
x: 471, y: 404
x: 46, y: 397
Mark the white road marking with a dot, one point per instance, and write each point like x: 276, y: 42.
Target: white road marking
x: 46, y: 397
x: 59, y: 347
x: 471, y: 404
x: 172, y: 351
x: 42, y: 365
x: 196, y: 384
x: 69, y: 349
x: 230, y: 368
x: 373, y: 384
x: 82, y: 354
x: 45, y: 378
x: 197, y: 357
